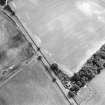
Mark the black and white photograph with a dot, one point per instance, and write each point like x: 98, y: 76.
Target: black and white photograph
x: 52, y: 52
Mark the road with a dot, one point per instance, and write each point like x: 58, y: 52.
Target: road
x: 69, y: 32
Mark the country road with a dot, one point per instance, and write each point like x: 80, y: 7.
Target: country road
x: 69, y: 32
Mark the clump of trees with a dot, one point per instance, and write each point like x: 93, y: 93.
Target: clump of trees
x: 93, y: 66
